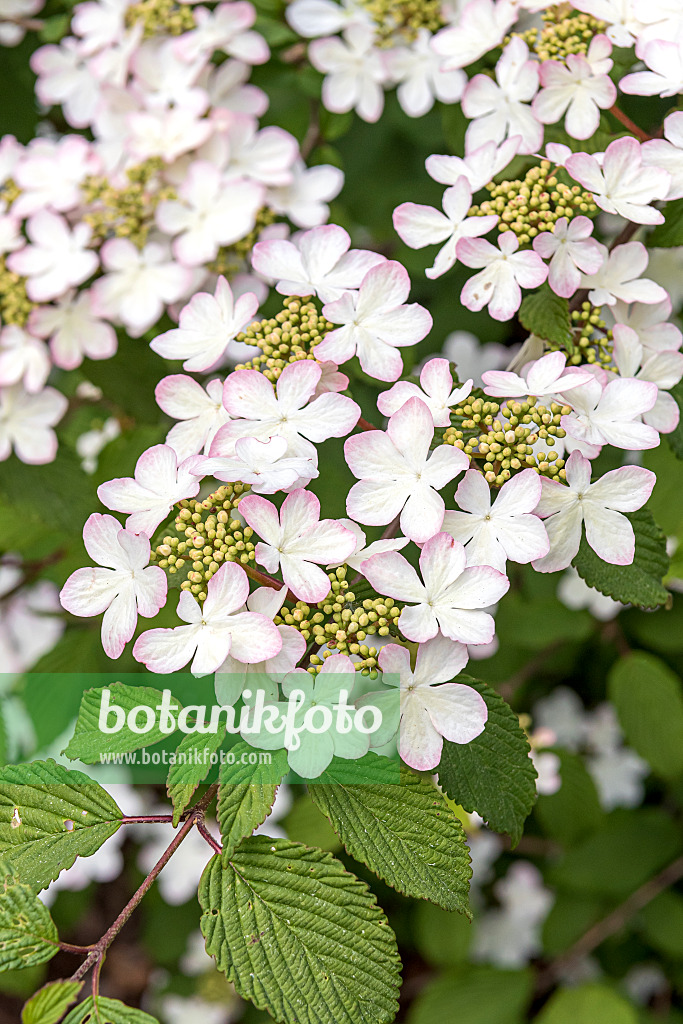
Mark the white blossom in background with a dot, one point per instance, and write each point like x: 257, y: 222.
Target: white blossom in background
x: 510, y: 935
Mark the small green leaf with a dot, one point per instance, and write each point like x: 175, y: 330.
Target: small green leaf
x: 89, y: 741
x: 649, y: 703
x: 193, y: 761
x: 51, y: 1002
x: 405, y: 833
x: 546, y: 315
x: 107, y: 1011
x: 482, y: 995
x: 28, y: 934
x: 670, y: 233
x: 662, y: 924
x: 48, y: 817
x: 587, y: 1005
x: 492, y: 774
x: 639, y: 583
x: 246, y: 793
x: 675, y: 438
x: 299, y: 936
x: 574, y: 810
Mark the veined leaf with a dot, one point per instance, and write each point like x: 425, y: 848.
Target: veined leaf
x: 89, y: 741
x: 51, y: 1002
x: 648, y: 697
x: 546, y: 315
x: 28, y: 934
x: 107, y: 1011
x: 246, y: 793
x: 193, y: 761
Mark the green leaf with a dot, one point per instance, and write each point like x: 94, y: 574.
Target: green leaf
x: 89, y: 742
x: 107, y: 1011
x: 193, y: 761
x: 246, y: 793
x: 587, y: 1005
x: 662, y: 924
x: 299, y: 936
x: 574, y: 811
x: 675, y: 438
x: 405, y: 833
x: 51, y: 1002
x: 48, y: 817
x: 649, y: 703
x: 639, y: 583
x: 28, y: 934
x: 546, y: 315
x: 492, y: 774
x: 481, y: 995
x: 442, y: 937
x: 670, y: 233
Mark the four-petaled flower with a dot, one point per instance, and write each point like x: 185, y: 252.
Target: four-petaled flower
x: 505, y: 270
x: 148, y: 497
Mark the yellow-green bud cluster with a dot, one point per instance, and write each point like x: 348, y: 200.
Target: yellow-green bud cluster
x: 209, y: 535
x: 594, y: 342
x: 161, y: 17
x: 126, y: 212
x: 534, y: 204
x: 403, y: 18
x: 232, y: 259
x: 9, y: 191
x: 343, y: 621
x: 15, y: 304
x: 287, y: 337
x: 565, y: 31
x: 505, y: 445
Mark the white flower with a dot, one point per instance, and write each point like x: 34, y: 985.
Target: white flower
x: 74, y: 330
x: 419, y: 226
x: 500, y: 108
x: 128, y: 586
x: 418, y: 71
x: 224, y: 28
x: 200, y: 411
x: 436, y: 390
x: 375, y: 322
x: 56, y: 260
x: 619, y: 277
x: 479, y: 166
x: 578, y: 87
x: 651, y: 324
x: 50, y: 174
x: 610, y: 414
x: 664, y: 58
x: 159, y: 482
x: 64, y: 78
x: 311, y: 18
x: 505, y: 270
x: 23, y: 359
x: 664, y: 369
x: 481, y: 26
x: 668, y: 153
x: 169, y: 132
x: 450, y: 599
x: 26, y: 423
x: 363, y: 550
x: 208, y: 325
x: 545, y: 376
x: 264, y: 465
x: 472, y: 358
x: 598, y: 506
x: 354, y: 72
x: 622, y: 183
x: 305, y: 200
x: 576, y: 594
x: 507, y: 529
x: 571, y: 252
x: 510, y: 935
x: 623, y: 25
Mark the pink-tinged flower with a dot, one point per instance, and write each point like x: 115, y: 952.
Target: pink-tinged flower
x: 294, y: 539
x: 215, y: 630
x: 331, y: 379
x: 148, y: 498
x: 571, y: 252
x: 11, y: 237
x: 209, y: 213
x: 354, y: 72
x: 418, y: 71
x: 565, y: 507
x: 431, y: 707
x: 619, y: 277
x: 50, y: 174
x: 450, y: 599
x: 651, y: 324
x: 436, y: 390
x: 375, y: 322
x: 664, y: 58
x: 169, y: 131
x: 305, y: 200
x: 128, y: 586
x: 288, y: 410
x: 611, y: 414
x: 138, y: 284
x: 74, y: 330
x: 23, y: 359
x: 505, y: 270
x: 200, y: 411
x: 363, y: 550
x: 26, y: 423
x: 501, y: 108
x: 398, y: 475
x: 482, y: 25
x: 668, y: 153
x: 224, y: 28
x: 623, y: 184
x: 663, y: 19
x: 227, y: 88
x: 207, y: 327
x: 665, y: 369
x: 319, y: 262
x: 266, y: 156
x: 505, y: 529
x: 56, y: 260
x: 623, y: 27
x: 264, y: 465
x: 545, y: 376
x: 419, y: 226
x: 64, y: 79
x: 479, y: 166
x: 313, y: 18
x: 579, y: 88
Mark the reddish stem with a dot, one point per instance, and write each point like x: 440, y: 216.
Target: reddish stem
x: 364, y: 425
x: 630, y: 125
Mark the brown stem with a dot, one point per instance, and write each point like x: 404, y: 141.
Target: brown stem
x: 312, y: 136
x: 68, y: 947
x: 364, y: 425
x: 630, y: 125
x: 205, y: 834
x: 145, y: 819
x: 268, y: 581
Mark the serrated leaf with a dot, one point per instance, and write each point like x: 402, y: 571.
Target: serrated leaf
x: 89, y: 742
x: 107, y: 1011
x: 246, y: 793
x: 51, y: 1002
x: 28, y: 935
x: 299, y: 936
x: 670, y: 233
x: 587, y: 1005
x: 640, y: 583
x: 546, y: 315
x: 50, y: 815
x: 405, y: 833
x: 193, y: 762
x: 649, y: 701
x: 492, y: 774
